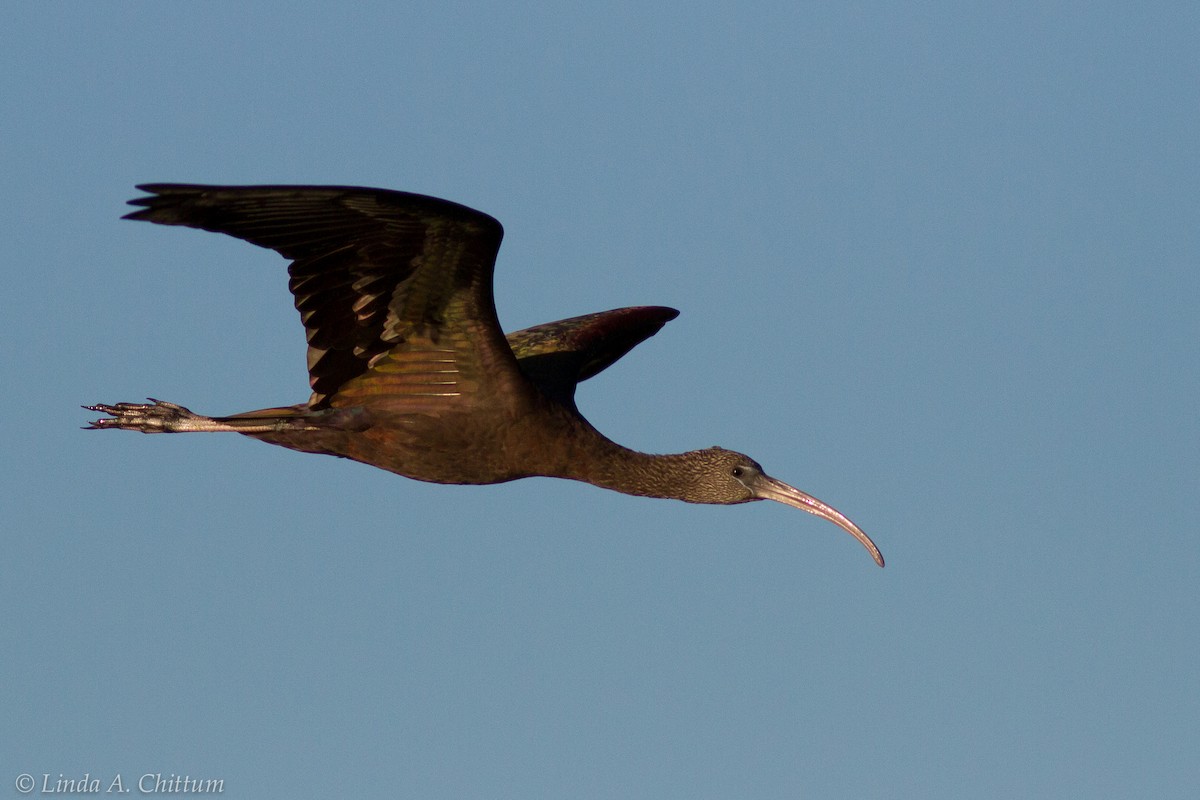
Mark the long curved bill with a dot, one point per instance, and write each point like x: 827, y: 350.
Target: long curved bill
x: 768, y: 488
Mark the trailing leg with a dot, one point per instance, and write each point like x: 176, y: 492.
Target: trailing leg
x: 158, y: 416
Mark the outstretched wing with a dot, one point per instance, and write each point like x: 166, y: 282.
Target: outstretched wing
x: 559, y: 355
x: 394, y: 289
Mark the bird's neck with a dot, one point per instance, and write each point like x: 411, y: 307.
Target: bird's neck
x: 602, y: 462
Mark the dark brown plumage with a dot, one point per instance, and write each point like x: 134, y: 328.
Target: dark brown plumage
x: 409, y: 369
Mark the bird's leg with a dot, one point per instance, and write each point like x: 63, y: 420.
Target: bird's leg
x: 158, y: 416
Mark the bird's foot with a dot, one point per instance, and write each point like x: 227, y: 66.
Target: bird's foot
x: 156, y: 416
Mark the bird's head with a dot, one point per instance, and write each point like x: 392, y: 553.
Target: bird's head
x: 726, y: 477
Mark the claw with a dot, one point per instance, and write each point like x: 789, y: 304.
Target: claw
x: 157, y: 416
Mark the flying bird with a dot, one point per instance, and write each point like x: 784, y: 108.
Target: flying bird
x: 409, y: 368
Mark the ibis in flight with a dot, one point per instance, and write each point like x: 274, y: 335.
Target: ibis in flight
x: 409, y: 368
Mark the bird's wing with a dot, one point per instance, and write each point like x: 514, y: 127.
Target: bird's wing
x: 558, y: 355
x: 394, y: 289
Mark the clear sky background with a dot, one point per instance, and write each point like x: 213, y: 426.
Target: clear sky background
x: 938, y: 266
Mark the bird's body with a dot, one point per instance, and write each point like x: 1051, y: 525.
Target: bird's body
x: 409, y: 369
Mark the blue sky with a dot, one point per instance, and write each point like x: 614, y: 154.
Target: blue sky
x: 937, y: 265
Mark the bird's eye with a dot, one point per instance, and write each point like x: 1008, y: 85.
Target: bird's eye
x: 737, y: 472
